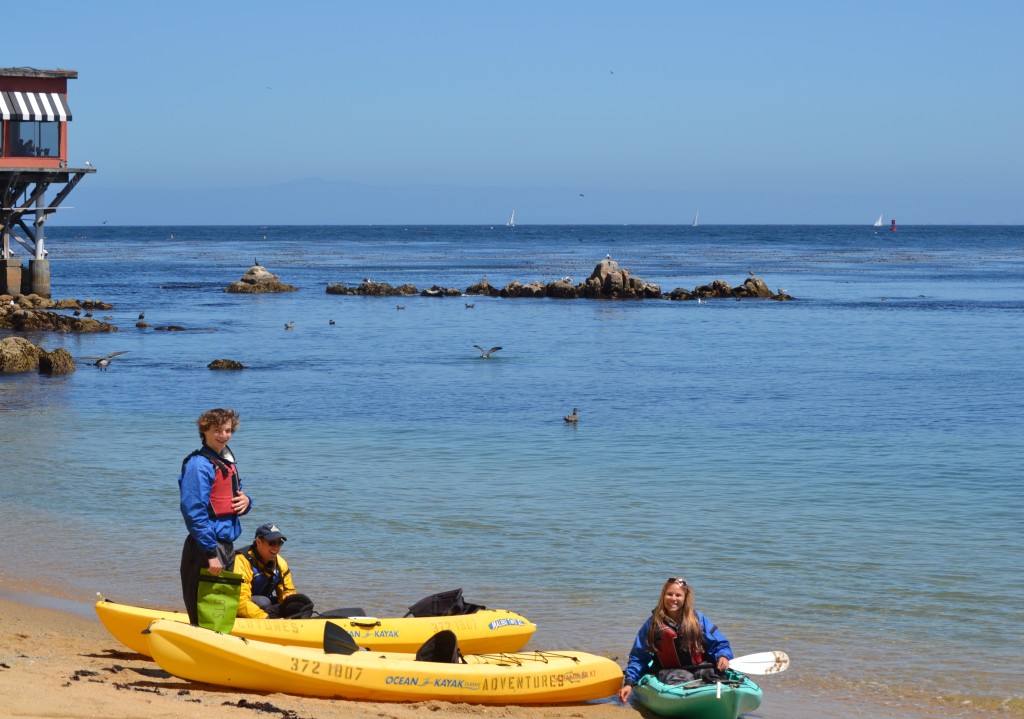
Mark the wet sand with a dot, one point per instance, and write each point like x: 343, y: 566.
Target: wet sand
x: 56, y: 659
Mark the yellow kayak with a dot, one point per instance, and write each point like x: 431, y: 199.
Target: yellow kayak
x: 203, y: 655
x: 486, y: 630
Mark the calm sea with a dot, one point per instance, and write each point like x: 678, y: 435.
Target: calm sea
x: 838, y: 476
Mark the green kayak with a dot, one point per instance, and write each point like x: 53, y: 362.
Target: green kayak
x: 734, y: 696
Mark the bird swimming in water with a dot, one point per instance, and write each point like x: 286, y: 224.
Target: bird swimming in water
x: 104, y: 361
x: 399, y: 307
x: 486, y: 354
x: 470, y: 305
x: 89, y: 313
x: 77, y: 313
x: 330, y: 322
x: 572, y: 418
x: 289, y: 325
x: 701, y: 301
x: 142, y: 315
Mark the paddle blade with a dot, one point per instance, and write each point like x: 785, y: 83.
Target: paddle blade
x: 763, y: 663
x: 337, y: 640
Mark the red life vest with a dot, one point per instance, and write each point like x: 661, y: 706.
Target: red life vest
x: 669, y: 652
x: 225, y: 483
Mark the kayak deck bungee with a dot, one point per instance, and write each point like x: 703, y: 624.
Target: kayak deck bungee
x: 202, y: 655
x: 483, y: 631
x: 735, y: 696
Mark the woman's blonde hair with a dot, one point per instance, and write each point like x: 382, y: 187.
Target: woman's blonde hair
x: 216, y: 418
x: 689, y: 627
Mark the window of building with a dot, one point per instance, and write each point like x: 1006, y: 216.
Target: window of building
x: 35, y: 139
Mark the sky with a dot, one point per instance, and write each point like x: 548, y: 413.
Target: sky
x: 569, y: 112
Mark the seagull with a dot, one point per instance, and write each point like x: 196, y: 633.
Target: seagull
x: 88, y: 164
x: 486, y: 354
x: 255, y: 261
x: 289, y: 325
x: 470, y: 306
x: 751, y: 273
x: 77, y: 313
x: 607, y: 257
x: 142, y: 315
x: 89, y: 313
x: 701, y: 301
x: 104, y: 361
x: 567, y: 279
x: 330, y: 322
x: 399, y: 307
x: 572, y: 418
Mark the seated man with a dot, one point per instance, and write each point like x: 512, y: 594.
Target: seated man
x: 266, y: 581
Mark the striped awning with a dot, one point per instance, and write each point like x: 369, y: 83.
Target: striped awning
x: 34, y: 106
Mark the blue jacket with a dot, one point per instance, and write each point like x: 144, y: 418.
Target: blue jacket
x: 640, y: 656
x: 195, y: 482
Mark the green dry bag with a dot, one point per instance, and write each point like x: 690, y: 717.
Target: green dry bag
x: 218, y: 600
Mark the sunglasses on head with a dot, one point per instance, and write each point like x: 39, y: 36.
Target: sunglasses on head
x: 678, y: 580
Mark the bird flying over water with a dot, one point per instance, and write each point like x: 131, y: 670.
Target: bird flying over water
x: 104, y: 361
x: 486, y: 354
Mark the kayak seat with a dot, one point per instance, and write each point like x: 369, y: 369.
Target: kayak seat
x: 443, y: 647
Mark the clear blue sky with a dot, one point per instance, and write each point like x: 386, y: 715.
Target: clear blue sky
x: 781, y: 112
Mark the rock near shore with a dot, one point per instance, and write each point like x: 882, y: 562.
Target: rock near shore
x: 258, y: 280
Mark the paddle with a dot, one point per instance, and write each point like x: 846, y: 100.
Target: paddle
x: 338, y: 641
x: 762, y: 663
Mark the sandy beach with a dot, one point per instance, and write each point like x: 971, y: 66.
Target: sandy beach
x: 60, y: 663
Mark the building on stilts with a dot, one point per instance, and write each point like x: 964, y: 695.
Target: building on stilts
x: 35, y: 174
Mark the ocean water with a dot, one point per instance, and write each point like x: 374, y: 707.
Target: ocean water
x: 838, y: 476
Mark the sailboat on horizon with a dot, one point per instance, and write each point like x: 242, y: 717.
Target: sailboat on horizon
x: 878, y: 222
x: 696, y: 219
x: 511, y: 220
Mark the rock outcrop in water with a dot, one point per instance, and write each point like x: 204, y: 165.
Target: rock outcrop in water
x: 225, y: 364
x: 608, y: 281
x: 17, y: 354
x: 31, y: 313
x: 258, y: 280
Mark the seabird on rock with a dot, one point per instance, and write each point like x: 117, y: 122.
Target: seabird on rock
x: 255, y: 261
x: 486, y: 354
x: 751, y: 273
x: 607, y: 257
x: 572, y: 418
